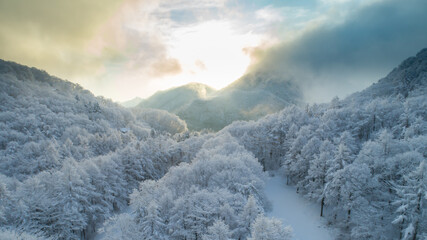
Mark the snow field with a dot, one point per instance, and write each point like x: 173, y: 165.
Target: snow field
x: 295, y: 211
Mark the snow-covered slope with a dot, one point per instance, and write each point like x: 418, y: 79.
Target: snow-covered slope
x: 248, y: 98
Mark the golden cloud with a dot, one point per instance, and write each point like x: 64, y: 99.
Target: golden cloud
x: 53, y: 34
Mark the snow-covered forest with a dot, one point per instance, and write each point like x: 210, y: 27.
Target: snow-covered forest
x: 75, y: 166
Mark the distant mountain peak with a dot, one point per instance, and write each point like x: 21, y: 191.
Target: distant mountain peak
x: 201, y: 89
x: 196, y: 85
x: 250, y: 97
x: 259, y: 79
x: 176, y: 98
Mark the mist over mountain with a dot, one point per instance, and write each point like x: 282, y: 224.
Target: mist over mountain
x: 248, y: 98
x: 131, y: 103
x: 176, y: 99
x: 258, y: 94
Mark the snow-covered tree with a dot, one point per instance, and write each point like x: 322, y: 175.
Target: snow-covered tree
x: 269, y: 229
x: 6, y: 234
x: 120, y: 227
x: 308, y: 153
x: 248, y: 216
x: 357, y: 187
x: 317, y: 173
x: 152, y: 226
x: 412, y: 203
x: 218, y: 231
x: 293, y: 157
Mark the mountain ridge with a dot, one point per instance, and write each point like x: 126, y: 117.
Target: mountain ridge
x: 248, y: 98
x: 168, y: 99
x: 410, y: 77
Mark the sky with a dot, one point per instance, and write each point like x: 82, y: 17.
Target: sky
x: 122, y: 49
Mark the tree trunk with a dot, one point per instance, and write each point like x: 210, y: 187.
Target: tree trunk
x: 401, y: 229
x: 348, y: 218
x: 348, y: 215
x: 373, y: 127
x: 418, y: 212
x: 415, y: 230
x: 263, y: 164
x: 321, y: 206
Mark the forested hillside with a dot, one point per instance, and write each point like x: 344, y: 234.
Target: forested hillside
x: 72, y: 164
x: 249, y: 98
x: 176, y: 99
x: 69, y: 161
x: 362, y: 158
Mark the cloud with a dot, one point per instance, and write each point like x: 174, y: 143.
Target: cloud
x: 89, y: 42
x: 116, y: 48
x: 344, y: 53
x: 269, y: 14
x: 51, y: 34
x: 126, y: 48
x: 165, y: 67
x: 290, y: 15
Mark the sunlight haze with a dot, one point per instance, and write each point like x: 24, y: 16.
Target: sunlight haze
x: 121, y: 49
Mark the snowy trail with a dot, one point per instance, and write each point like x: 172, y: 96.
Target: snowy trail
x: 294, y: 210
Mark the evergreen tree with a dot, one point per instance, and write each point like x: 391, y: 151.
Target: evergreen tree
x: 269, y: 229
x: 248, y: 216
x: 412, y: 211
x: 152, y: 226
x: 218, y: 231
x: 317, y: 173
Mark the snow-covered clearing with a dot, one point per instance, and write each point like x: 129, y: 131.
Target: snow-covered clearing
x: 295, y: 211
